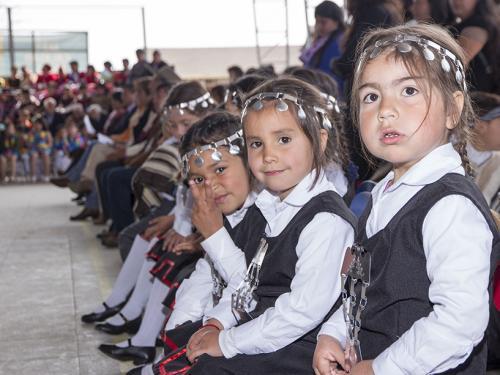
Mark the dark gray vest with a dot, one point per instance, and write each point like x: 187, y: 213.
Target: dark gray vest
x: 278, y: 267
x: 399, y: 289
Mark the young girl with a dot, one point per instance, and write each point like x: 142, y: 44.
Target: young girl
x: 267, y: 321
x: 42, y: 147
x: 221, y: 186
x: 416, y: 298
x: 177, y: 125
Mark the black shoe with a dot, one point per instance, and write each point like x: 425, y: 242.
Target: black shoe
x: 102, y: 234
x: 135, y: 371
x: 78, y: 197
x: 139, y: 354
x: 130, y: 326
x: 85, y: 213
x: 60, y: 181
x: 110, y: 241
x: 99, y: 317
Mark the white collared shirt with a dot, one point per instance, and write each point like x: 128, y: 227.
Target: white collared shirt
x: 194, y: 296
x: 320, y: 250
x: 457, y: 244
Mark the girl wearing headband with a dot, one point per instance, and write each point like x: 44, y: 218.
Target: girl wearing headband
x: 225, y: 217
x: 268, y: 318
x: 416, y: 281
x: 186, y: 103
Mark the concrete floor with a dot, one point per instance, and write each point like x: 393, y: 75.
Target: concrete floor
x: 51, y: 272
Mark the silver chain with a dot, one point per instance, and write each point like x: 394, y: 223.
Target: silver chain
x: 242, y: 297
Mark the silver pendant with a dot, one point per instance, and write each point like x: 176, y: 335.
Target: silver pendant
x: 181, y: 111
x: 216, y: 155
x: 301, y: 113
x: 281, y: 106
x: 234, y: 149
x: 404, y: 47
x: 445, y: 65
x: 458, y: 76
x: 428, y: 54
x: 376, y: 51
x: 326, y: 122
x: 204, y: 104
x: 258, y: 105
x: 198, y: 161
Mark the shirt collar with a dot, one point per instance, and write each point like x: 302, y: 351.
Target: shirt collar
x: 440, y: 161
x: 238, y: 215
x: 270, y: 204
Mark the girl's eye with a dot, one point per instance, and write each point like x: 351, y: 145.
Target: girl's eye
x: 198, y: 180
x: 255, y: 144
x: 370, y: 98
x: 409, y: 91
x: 220, y: 170
x: 284, y: 140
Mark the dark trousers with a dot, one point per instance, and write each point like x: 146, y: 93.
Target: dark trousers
x: 101, y: 176
x: 120, y: 197
x: 127, y: 235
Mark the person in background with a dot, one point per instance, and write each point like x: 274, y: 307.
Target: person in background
x: 478, y: 33
x: 325, y: 45
x: 435, y: 11
x: 157, y: 62
x: 235, y: 72
x: 141, y: 68
x: 107, y: 73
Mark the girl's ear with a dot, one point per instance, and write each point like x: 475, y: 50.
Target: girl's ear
x: 454, y: 115
x: 323, y: 136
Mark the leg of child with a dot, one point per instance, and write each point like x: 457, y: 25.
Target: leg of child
x: 3, y: 168
x: 46, y: 165
x: 154, y: 317
x: 139, y: 296
x: 33, y: 165
x: 13, y: 166
x: 128, y: 275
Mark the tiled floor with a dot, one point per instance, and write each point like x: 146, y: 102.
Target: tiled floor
x: 51, y: 271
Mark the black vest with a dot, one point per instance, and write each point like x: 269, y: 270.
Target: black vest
x: 399, y: 289
x: 278, y: 267
x: 247, y: 233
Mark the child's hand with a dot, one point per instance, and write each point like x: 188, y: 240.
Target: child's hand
x: 191, y: 245
x: 327, y: 356
x: 363, y: 368
x: 205, y: 341
x: 172, y: 238
x: 206, y: 216
x: 158, y: 226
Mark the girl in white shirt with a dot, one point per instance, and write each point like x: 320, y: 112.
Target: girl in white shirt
x: 266, y: 322
x: 213, y: 160
x: 416, y: 296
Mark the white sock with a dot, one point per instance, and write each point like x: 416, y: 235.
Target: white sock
x: 154, y: 316
x: 128, y: 274
x: 147, y: 370
x: 139, y: 297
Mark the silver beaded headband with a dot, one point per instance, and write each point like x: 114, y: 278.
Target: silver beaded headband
x: 234, y: 95
x: 204, y: 100
x: 331, y: 102
x: 216, y: 156
x: 281, y: 106
x: 403, y: 43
